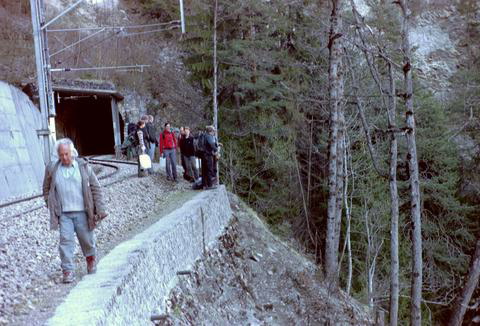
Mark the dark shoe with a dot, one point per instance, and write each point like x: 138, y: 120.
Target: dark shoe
x: 68, y: 277
x: 211, y: 187
x: 91, y: 265
x: 168, y: 178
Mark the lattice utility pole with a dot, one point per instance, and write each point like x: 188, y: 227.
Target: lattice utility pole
x: 44, y: 69
x: 42, y: 60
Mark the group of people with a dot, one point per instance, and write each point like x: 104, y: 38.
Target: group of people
x: 73, y: 194
x: 142, y: 139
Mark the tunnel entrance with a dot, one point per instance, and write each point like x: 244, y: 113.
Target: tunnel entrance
x: 89, y: 121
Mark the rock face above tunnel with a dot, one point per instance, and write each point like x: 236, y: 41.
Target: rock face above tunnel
x: 139, y: 273
x: 21, y: 160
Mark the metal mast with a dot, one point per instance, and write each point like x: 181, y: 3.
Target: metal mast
x: 42, y: 60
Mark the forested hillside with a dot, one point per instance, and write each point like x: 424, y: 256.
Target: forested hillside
x: 336, y: 129
x: 275, y: 104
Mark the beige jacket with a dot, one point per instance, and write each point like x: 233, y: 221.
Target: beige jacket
x: 91, y: 193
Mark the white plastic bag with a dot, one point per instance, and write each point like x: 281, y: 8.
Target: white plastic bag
x: 145, y: 162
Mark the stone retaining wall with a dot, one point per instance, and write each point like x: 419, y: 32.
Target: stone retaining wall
x: 138, y: 274
x: 21, y: 157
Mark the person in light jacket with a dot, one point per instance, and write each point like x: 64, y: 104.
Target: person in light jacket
x: 74, y: 198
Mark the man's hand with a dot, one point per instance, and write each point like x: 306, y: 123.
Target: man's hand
x: 100, y: 216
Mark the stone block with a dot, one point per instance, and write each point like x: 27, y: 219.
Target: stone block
x: 7, y: 105
x: 8, y: 158
x: 5, y: 92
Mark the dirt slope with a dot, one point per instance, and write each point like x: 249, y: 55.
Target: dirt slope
x: 253, y: 278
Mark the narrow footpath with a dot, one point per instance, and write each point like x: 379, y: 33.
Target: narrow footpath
x: 30, y: 274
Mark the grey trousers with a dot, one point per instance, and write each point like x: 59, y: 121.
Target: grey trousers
x: 171, y: 163
x: 190, y: 167
x: 70, y: 223
x: 151, y: 153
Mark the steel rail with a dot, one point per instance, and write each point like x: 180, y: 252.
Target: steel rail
x: 89, y: 159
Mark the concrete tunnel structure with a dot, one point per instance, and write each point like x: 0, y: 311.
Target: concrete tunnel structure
x: 86, y: 112
x: 90, y: 117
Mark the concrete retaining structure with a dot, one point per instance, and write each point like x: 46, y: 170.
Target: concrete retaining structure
x: 134, y: 279
x: 21, y: 159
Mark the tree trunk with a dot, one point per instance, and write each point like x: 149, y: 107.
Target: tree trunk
x: 340, y: 178
x: 215, y: 82
x: 470, y: 286
x: 415, y: 209
x: 348, y: 216
x: 394, y: 263
x: 394, y: 212
x: 335, y: 80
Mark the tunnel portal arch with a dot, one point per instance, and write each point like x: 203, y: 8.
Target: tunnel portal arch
x: 89, y: 117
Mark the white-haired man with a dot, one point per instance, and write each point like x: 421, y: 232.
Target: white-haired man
x: 73, y: 196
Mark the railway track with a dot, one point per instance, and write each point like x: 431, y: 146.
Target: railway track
x: 92, y: 160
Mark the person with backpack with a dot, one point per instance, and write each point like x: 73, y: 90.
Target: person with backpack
x: 181, y: 136
x: 129, y: 146
x: 142, y: 143
x: 188, y: 153
x: 208, y: 147
x: 131, y: 128
x: 152, y: 132
x: 168, y: 148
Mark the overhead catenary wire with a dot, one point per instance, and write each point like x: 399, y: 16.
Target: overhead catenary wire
x: 77, y: 42
x: 113, y: 27
x: 99, y: 68
x: 106, y: 38
x: 118, y: 33
x: 44, y: 26
x: 152, y: 31
x: 109, y: 23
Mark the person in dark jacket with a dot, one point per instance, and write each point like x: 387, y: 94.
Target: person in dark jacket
x: 168, y: 148
x: 188, y: 153
x: 131, y: 128
x: 143, y: 144
x: 208, y: 158
x: 182, y: 158
x: 142, y: 139
x: 152, y: 136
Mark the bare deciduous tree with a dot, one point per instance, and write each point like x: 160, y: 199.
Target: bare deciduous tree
x: 335, y: 80
x: 470, y: 286
x: 415, y: 209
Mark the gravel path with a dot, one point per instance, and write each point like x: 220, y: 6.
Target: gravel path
x: 30, y: 274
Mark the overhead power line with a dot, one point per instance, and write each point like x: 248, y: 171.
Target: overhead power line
x: 140, y: 67
x: 113, y: 27
x: 44, y: 26
x: 77, y: 42
x: 152, y: 31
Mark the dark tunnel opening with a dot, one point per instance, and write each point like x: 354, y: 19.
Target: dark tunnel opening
x: 87, y: 120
